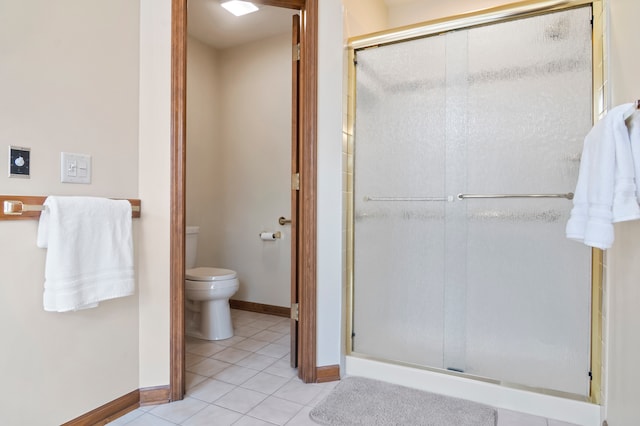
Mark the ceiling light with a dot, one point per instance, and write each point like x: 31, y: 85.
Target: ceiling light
x: 238, y: 7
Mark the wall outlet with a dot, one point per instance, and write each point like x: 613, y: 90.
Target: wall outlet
x: 75, y: 168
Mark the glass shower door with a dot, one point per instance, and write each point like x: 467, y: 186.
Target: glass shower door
x: 399, y: 183
x: 487, y: 286
x: 528, y: 288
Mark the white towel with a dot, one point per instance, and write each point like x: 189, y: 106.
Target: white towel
x: 634, y: 135
x: 89, y: 251
x: 606, y: 189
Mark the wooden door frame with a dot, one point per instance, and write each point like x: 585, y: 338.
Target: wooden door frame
x: 307, y: 196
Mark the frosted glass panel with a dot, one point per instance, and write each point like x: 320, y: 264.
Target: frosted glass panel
x: 490, y: 287
x: 400, y: 154
x: 528, y: 288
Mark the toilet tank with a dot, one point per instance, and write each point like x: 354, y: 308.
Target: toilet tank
x: 191, y: 246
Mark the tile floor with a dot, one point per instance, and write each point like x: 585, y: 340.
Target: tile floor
x: 247, y: 381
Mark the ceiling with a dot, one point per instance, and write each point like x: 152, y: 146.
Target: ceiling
x: 213, y: 25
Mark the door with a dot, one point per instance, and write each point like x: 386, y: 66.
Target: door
x: 448, y: 272
x: 295, y: 169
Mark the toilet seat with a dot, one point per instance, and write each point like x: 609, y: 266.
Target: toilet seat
x: 209, y: 274
x: 204, y: 280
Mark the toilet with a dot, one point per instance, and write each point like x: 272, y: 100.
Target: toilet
x: 207, y: 293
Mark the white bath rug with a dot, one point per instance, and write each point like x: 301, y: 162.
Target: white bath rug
x: 361, y: 401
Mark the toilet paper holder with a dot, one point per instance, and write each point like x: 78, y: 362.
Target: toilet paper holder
x: 270, y: 236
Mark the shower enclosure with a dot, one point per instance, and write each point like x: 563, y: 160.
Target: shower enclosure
x: 466, y: 148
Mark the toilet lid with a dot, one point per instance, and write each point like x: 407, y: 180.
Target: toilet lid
x: 209, y: 274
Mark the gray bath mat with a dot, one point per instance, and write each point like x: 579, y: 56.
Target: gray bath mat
x: 361, y: 401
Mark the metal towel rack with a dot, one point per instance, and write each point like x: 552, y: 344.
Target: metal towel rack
x: 568, y: 196
x: 17, y: 207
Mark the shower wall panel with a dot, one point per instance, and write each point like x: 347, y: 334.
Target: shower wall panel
x: 489, y: 286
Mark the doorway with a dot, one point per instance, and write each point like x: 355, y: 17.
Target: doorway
x: 305, y: 263
x: 239, y: 150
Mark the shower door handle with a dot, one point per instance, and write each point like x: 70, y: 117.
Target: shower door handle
x: 568, y: 196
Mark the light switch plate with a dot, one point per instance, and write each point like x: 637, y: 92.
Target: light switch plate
x: 75, y: 168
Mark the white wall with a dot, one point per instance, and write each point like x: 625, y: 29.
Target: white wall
x: 239, y: 162
x: 204, y: 150
x: 411, y: 12
x: 154, y: 191
x: 364, y: 16
x: 329, y: 267
x: 623, y: 280
x: 255, y: 82
x: 69, y: 82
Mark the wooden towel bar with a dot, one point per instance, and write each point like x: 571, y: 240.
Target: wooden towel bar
x: 21, y: 207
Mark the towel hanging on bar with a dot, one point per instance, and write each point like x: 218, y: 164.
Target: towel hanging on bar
x: 606, y: 189
x: 89, y: 256
x: 29, y: 207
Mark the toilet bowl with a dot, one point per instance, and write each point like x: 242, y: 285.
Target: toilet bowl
x: 207, y: 293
